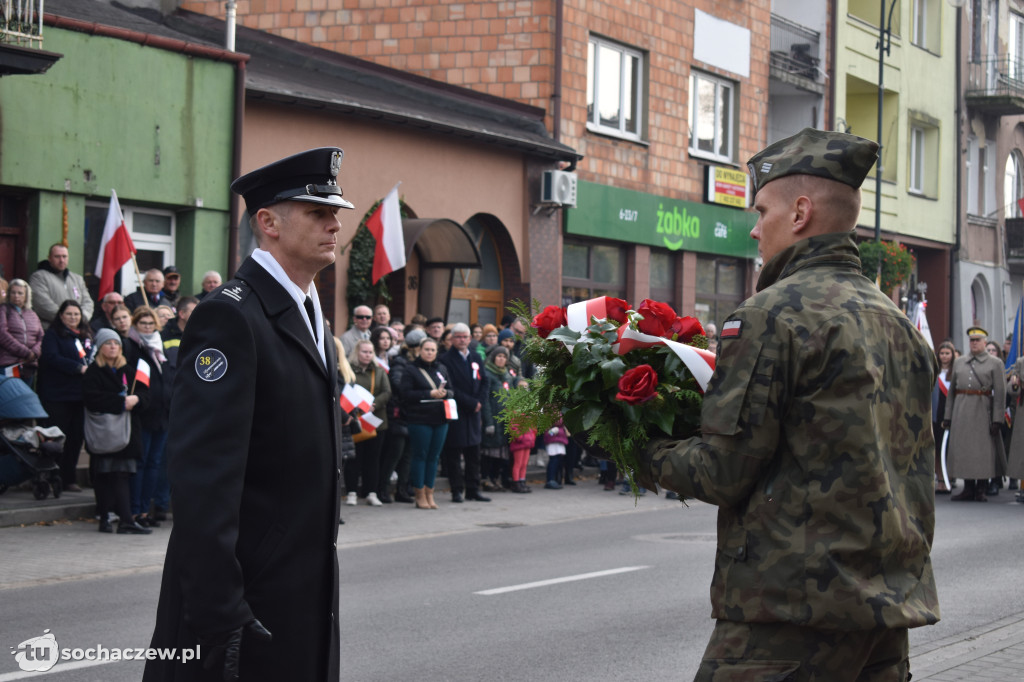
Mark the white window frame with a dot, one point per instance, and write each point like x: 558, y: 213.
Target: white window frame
x: 595, y: 45
x: 1016, y: 46
x: 917, y: 159
x: 729, y: 125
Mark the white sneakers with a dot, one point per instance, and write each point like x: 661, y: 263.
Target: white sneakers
x: 373, y: 500
x: 351, y: 500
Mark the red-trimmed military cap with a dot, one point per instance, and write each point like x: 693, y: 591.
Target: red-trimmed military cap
x: 310, y: 176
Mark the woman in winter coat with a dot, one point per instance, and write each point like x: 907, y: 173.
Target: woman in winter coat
x: 494, y: 445
x: 110, y: 385
x: 373, y: 378
x: 396, y: 443
x: 145, y: 333
x: 66, y: 350
x: 425, y: 387
x: 21, y: 332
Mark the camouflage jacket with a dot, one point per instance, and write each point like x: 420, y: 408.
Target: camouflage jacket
x: 817, y: 448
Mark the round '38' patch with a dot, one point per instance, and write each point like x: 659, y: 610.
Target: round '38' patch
x: 211, y: 365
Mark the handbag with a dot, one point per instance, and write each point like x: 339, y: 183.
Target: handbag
x: 107, y: 433
x: 365, y: 433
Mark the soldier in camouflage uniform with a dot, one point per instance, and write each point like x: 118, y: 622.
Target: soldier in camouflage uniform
x: 816, y: 443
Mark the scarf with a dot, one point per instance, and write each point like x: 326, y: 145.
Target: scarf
x: 151, y: 341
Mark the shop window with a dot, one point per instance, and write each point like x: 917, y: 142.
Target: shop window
x: 712, y: 117
x: 662, y: 270
x: 720, y: 288
x: 590, y: 270
x: 615, y: 87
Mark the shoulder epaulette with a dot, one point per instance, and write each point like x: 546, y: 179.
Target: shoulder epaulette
x: 236, y: 290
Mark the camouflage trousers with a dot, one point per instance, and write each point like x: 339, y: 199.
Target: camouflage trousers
x: 778, y: 652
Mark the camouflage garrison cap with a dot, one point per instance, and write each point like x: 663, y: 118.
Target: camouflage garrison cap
x: 825, y: 154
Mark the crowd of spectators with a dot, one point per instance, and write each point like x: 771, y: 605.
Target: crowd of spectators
x: 413, y: 370
x: 119, y: 360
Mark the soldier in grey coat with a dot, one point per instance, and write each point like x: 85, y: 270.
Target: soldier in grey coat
x: 974, y: 414
x: 816, y: 443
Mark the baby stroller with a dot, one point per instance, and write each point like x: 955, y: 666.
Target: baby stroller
x: 27, y: 452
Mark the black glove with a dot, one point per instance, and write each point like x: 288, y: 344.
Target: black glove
x: 595, y: 451
x: 222, y: 651
x: 993, y: 429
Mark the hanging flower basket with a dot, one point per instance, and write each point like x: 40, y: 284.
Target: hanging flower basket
x: 897, y: 264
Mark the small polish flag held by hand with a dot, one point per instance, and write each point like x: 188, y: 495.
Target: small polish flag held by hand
x: 142, y: 372
x: 14, y: 371
x: 451, y: 411
x: 116, y: 247
x: 386, y: 227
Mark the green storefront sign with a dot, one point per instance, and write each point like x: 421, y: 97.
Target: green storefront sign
x: 640, y: 218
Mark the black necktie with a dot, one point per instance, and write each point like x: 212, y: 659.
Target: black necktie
x: 312, y: 318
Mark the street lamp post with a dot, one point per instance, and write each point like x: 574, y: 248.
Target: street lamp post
x: 884, y: 47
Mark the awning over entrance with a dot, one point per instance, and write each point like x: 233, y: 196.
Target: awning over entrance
x: 442, y: 245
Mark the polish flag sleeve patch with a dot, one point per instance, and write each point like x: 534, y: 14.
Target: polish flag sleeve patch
x: 731, y: 329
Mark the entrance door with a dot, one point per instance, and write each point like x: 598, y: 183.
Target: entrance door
x: 477, y: 295
x: 152, y: 232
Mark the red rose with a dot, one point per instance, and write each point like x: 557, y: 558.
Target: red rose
x: 658, y: 318
x: 685, y: 328
x: 548, y: 320
x: 638, y: 385
x: 616, y: 309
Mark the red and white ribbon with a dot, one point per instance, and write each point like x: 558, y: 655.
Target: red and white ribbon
x: 579, y: 314
x: 701, y: 363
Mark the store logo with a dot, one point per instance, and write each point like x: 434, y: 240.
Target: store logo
x: 38, y: 654
x: 677, y: 224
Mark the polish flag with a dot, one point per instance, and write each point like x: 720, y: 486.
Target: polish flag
x: 578, y: 314
x: 14, y: 371
x: 386, y: 227
x: 369, y: 422
x: 116, y: 247
x: 354, y: 397
x: 451, y: 410
x: 142, y: 372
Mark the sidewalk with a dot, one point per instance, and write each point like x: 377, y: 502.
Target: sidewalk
x: 62, y: 545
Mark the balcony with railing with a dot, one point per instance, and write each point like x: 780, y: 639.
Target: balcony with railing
x: 21, y: 38
x: 995, y: 85
x: 794, y: 55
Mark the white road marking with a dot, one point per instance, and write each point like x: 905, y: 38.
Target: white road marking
x: 555, y: 581
x: 59, y: 668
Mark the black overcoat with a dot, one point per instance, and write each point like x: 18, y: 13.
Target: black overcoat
x: 254, y: 467
x: 470, y: 387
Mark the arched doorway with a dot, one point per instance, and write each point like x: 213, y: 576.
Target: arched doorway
x: 478, y: 294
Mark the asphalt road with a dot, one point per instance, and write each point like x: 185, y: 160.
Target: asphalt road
x: 502, y: 592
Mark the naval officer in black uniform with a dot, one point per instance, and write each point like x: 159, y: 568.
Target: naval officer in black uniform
x: 251, y: 572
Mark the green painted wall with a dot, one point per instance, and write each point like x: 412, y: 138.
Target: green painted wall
x: 155, y: 125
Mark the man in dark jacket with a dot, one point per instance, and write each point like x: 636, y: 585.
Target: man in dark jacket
x: 464, y: 434
x: 251, y: 572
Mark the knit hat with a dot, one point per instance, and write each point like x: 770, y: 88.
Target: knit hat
x: 414, y: 338
x: 495, y: 351
x: 104, y: 335
x: 505, y: 334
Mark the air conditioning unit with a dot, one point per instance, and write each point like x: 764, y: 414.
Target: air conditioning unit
x: 558, y: 188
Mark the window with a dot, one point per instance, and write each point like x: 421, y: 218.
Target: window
x: 981, y: 191
x: 615, y: 87
x: 1013, y: 184
x: 916, y: 160
x: 719, y: 289
x: 1016, y: 44
x: 590, y: 270
x: 925, y: 28
x: 662, y: 278
x: 712, y: 117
